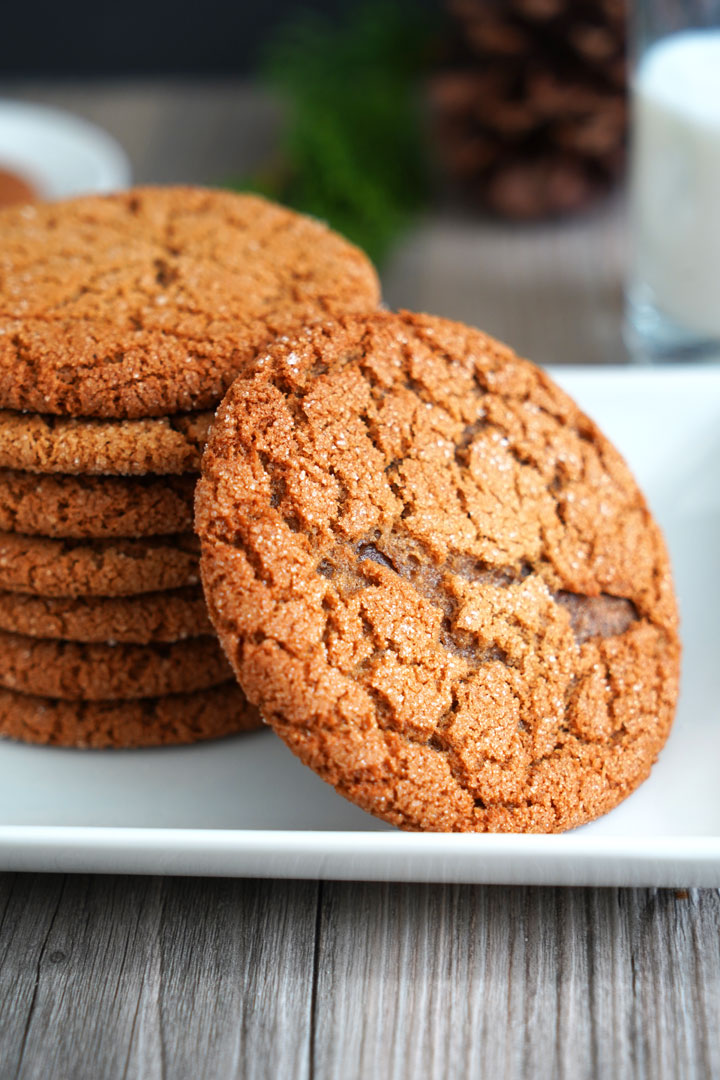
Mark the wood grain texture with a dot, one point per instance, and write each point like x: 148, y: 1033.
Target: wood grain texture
x: 546, y: 984
x: 143, y: 978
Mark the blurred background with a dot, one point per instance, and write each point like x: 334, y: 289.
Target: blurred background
x: 475, y: 148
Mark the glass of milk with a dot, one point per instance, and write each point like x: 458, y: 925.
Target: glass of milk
x: 673, y: 294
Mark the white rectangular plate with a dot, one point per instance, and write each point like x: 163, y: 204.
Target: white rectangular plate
x: 247, y: 807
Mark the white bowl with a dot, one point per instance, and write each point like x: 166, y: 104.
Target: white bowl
x: 58, y: 153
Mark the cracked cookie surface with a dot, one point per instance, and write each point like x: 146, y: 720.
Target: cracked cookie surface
x: 51, y: 567
x: 171, y: 720
x: 41, y: 443
x: 102, y: 672
x: 136, y: 620
x: 95, y: 507
x: 149, y: 301
x: 437, y: 578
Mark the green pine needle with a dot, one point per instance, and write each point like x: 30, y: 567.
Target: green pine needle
x: 352, y: 150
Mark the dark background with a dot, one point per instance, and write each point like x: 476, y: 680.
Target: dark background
x: 143, y: 37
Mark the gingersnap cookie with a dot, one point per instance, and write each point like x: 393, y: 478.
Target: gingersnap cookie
x: 150, y: 301
x: 162, y: 721
x: 134, y: 620
x: 82, y: 445
x: 49, y: 567
x: 15, y: 189
x: 438, y: 579
x: 101, y: 672
x: 95, y: 507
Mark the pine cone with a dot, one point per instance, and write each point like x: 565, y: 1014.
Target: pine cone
x: 530, y: 108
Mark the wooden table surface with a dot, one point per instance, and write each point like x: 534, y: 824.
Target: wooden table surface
x: 115, y: 977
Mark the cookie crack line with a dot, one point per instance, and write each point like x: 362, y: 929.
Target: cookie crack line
x: 580, y: 426
x: 555, y: 487
x: 442, y: 586
x: 120, y: 312
x: 43, y: 443
x: 603, y: 615
x: 590, y: 618
x: 170, y: 719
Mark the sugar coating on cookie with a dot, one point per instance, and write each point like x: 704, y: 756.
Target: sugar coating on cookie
x: 135, y: 620
x: 437, y: 578
x: 95, y: 507
x: 104, y: 672
x: 149, y: 301
x: 50, y: 567
x: 170, y: 720
x: 166, y: 445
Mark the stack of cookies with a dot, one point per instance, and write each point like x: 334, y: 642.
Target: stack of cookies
x: 123, y: 320
x: 431, y: 573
